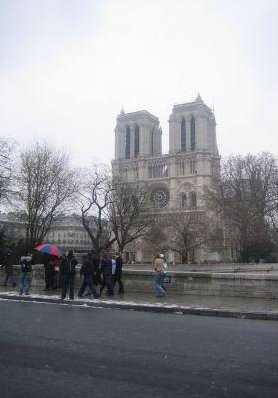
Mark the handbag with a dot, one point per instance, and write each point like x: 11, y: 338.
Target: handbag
x: 166, y: 279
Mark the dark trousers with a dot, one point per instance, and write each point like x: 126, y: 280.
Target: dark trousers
x: 107, y: 281
x: 25, y: 282
x: 68, y: 282
x: 10, y: 278
x: 88, y: 281
x: 49, y: 279
x: 117, y: 278
x: 56, y: 282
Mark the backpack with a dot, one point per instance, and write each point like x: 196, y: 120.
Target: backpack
x: 26, y: 266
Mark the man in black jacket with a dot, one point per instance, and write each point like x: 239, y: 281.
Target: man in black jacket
x: 68, y: 272
x: 117, y: 277
x: 87, y: 271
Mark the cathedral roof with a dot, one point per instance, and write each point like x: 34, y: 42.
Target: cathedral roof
x: 136, y: 115
x: 191, y: 105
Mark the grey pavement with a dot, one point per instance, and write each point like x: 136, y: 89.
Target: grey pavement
x: 232, y: 307
x: 65, y: 351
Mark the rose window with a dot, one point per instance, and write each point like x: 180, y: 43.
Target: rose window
x: 160, y: 198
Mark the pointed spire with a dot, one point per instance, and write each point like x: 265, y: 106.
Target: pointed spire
x: 198, y: 99
x: 122, y: 111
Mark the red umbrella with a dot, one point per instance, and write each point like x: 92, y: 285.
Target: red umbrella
x: 47, y: 248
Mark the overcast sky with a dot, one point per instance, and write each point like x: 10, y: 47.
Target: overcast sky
x: 67, y: 67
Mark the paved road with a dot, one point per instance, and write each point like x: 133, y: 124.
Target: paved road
x: 52, y: 350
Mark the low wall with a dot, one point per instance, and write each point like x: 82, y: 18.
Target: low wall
x: 229, y: 284
x: 207, y: 284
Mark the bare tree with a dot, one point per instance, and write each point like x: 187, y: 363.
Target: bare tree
x: 188, y: 233
x: 6, y: 167
x: 93, y: 199
x: 45, y: 183
x: 246, y: 193
x: 129, y: 212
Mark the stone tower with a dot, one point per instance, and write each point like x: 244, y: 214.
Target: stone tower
x: 192, y: 128
x: 137, y: 135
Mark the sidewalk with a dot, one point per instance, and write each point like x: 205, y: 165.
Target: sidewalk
x: 232, y: 307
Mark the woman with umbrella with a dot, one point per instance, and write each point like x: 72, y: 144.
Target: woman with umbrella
x: 51, y: 261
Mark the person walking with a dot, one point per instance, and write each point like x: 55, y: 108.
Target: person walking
x: 117, y: 277
x: 106, y: 271
x: 8, y: 265
x: 158, y: 277
x: 87, y: 271
x: 26, y: 274
x: 49, y: 273
x: 68, y: 272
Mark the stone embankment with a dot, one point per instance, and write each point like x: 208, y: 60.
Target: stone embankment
x: 226, y: 280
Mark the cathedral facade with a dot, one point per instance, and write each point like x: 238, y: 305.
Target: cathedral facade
x: 176, y: 180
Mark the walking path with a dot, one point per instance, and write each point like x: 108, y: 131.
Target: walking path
x: 243, y: 308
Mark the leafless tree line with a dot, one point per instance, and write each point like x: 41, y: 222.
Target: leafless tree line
x: 41, y: 185
x: 245, y: 193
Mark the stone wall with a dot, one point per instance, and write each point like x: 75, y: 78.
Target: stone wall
x: 229, y: 284
x: 207, y: 284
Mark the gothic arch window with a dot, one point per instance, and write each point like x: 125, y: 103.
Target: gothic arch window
x: 127, y: 143
x: 192, y: 134
x: 136, y: 141
x: 183, y: 135
x: 184, y: 200
x: 193, y: 168
x: 152, y: 142
x: 193, y: 200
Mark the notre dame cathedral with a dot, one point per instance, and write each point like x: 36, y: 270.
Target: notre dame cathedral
x: 176, y: 180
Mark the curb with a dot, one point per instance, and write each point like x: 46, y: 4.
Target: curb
x: 143, y: 307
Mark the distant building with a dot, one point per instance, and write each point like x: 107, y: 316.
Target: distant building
x: 176, y: 180
x: 67, y: 232
x: 14, y: 229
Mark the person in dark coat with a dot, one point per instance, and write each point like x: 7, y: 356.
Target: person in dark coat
x: 106, y: 272
x: 87, y: 271
x: 96, y: 269
x: 68, y: 272
x: 117, y: 277
x: 8, y: 265
x: 49, y: 273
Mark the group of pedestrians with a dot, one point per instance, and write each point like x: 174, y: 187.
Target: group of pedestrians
x: 98, y: 273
